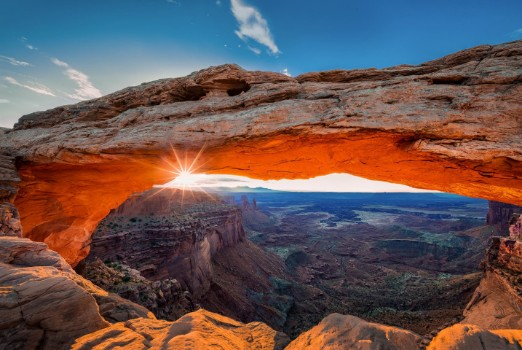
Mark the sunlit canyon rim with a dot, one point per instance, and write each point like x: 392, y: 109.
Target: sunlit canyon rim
x: 452, y: 124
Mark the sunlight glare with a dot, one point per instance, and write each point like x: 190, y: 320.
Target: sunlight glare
x: 186, y: 178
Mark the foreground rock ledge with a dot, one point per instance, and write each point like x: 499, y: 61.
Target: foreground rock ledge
x: 197, y: 330
x: 452, y: 124
x: 44, y: 304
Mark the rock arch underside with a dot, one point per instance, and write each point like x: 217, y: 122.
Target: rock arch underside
x: 453, y: 124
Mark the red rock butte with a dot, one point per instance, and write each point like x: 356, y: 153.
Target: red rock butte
x: 453, y: 124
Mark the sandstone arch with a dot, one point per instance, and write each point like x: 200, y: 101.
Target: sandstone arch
x: 452, y: 124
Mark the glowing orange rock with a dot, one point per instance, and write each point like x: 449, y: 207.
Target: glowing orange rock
x: 471, y: 337
x: 349, y: 332
x: 197, y: 330
x: 451, y: 124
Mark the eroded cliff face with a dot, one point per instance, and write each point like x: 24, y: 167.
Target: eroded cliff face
x: 169, y: 234
x: 500, y: 214
x: 43, y: 297
x: 173, y: 252
x: 10, y: 224
x: 497, y: 302
x: 44, y: 304
x: 451, y: 124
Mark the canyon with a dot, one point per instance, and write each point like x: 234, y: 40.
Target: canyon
x: 291, y: 259
x: 194, y: 242
x: 40, y: 282
x: 452, y: 124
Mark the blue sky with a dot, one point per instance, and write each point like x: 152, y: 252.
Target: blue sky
x: 60, y: 52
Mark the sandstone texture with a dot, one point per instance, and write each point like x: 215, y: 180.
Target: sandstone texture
x: 174, y: 252
x: 349, y: 332
x: 249, y: 284
x: 165, y: 298
x: 494, y: 305
x: 166, y: 234
x: 197, y: 330
x: 497, y: 301
x: 500, y: 214
x: 452, y: 124
x: 10, y: 224
x: 471, y: 337
x: 44, y: 304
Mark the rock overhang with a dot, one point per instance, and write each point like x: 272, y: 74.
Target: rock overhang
x: 451, y: 124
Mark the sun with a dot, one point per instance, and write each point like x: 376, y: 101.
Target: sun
x: 185, y: 170
x: 185, y: 178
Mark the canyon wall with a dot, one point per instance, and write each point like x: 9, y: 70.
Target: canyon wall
x: 168, y: 234
x: 497, y: 302
x: 44, y: 304
x: 451, y: 124
x: 499, y: 214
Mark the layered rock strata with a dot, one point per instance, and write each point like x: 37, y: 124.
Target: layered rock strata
x: 500, y: 214
x: 167, y: 234
x: 44, y: 304
x: 9, y: 180
x: 164, y: 298
x: 451, y: 124
x: 497, y: 302
x: 175, y: 252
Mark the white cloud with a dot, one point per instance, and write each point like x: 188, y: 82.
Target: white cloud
x: 35, y: 87
x: 252, y: 25
x: 177, y: 3
x: 14, y: 61
x: 218, y: 2
x: 254, y: 50
x: 27, y: 44
x: 4, y: 100
x: 85, y: 88
x: 59, y: 63
x: 285, y: 72
x: 517, y: 33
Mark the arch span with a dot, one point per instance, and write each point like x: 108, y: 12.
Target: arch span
x: 452, y: 124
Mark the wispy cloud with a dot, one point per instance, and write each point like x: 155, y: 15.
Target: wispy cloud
x: 517, y: 33
x: 177, y: 3
x: 252, y: 25
x: 85, y: 88
x: 254, y: 50
x: 14, y: 61
x: 4, y: 100
x: 218, y: 2
x: 286, y: 72
x: 35, y: 87
x: 27, y: 44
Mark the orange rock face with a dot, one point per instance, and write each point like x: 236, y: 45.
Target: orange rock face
x: 451, y: 124
x: 349, y: 332
x: 198, y: 330
x: 471, y: 337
